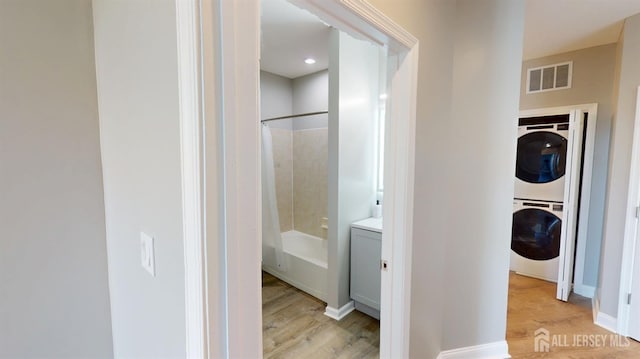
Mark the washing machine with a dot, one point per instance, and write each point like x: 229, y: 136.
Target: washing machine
x: 541, y: 158
x: 535, y: 238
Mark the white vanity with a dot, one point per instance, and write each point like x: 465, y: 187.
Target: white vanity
x: 366, y: 245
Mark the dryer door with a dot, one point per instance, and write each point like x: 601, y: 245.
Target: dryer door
x: 536, y: 234
x: 541, y: 157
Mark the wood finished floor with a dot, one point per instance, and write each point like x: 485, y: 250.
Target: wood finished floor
x: 294, y: 326
x: 532, y: 305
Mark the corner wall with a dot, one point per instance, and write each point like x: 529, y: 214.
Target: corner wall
x: 54, y: 293
x: 276, y: 96
x: 468, y: 81
x: 619, y: 164
x: 432, y: 23
x: 137, y: 71
x: 353, y: 107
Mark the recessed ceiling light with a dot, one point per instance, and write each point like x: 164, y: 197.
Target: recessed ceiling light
x: 309, y: 61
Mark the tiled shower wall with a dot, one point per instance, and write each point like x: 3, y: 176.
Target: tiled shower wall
x: 283, y: 163
x: 300, y: 159
x: 310, y: 181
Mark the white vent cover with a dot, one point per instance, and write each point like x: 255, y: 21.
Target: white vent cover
x: 549, y: 78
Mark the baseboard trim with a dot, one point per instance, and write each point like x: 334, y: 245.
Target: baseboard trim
x: 603, y: 320
x: 607, y: 322
x: 584, y: 290
x: 496, y: 350
x: 338, y: 314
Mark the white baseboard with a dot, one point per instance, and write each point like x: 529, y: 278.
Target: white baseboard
x: 496, y: 350
x: 607, y: 322
x: 338, y: 314
x: 603, y: 320
x: 584, y: 290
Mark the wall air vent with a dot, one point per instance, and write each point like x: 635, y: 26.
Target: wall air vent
x: 549, y: 78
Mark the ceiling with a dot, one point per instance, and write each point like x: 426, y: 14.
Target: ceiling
x: 556, y: 26
x: 290, y: 34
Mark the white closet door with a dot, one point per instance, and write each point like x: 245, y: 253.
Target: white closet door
x: 634, y: 304
x: 634, y: 308
x: 571, y: 195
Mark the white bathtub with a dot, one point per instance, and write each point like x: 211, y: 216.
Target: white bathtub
x: 305, y: 259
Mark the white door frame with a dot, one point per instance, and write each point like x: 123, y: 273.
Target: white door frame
x: 218, y: 53
x: 630, y: 245
x: 200, y: 101
x: 585, y: 197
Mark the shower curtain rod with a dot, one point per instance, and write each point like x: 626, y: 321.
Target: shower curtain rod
x: 294, y: 116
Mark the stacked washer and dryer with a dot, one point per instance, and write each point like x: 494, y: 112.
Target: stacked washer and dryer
x: 539, y: 193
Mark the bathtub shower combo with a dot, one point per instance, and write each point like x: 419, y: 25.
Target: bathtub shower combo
x: 293, y: 256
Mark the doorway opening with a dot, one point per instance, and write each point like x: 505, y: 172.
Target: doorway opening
x: 323, y: 98
x: 551, y: 215
x: 552, y: 196
x: 219, y: 88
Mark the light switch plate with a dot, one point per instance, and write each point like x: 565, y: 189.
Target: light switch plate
x: 146, y: 253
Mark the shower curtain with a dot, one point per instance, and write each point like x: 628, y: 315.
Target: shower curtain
x: 270, y: 217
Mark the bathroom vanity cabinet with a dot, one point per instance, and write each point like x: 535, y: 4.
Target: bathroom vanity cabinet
x: 366, y: 246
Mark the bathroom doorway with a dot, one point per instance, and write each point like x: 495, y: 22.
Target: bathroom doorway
x: 323, y: 95
x: 224, y: 111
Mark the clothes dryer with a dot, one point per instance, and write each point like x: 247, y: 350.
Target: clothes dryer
x: 541, y: 158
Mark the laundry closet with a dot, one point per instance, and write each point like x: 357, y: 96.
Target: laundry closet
x: 549, y: 174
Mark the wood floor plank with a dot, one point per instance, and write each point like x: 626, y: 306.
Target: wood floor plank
x: 294, y: 326
x: 532, y: 305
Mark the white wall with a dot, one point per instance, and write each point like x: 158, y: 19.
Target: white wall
x: 280, y: 96
x: 276, y: 98
x: 311, y: 94
x: 468, y: 83
x: 353, y: 104
x: 487, y: 50
x: 54, y: 299
x: 619, y: 163
x: 593, y: 79
x: 431, y: 22
x: 136, y: 62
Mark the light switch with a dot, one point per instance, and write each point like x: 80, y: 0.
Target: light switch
x: 146, y: 253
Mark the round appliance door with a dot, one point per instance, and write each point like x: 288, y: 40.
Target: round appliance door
x: 536, y: 234
x: 542, y: 157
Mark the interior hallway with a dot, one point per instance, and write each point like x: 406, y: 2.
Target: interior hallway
x: 532, y: 305
x: 294, y: 326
